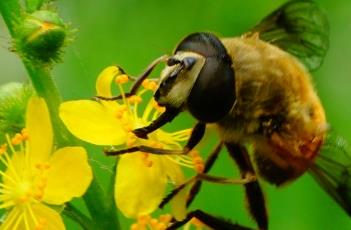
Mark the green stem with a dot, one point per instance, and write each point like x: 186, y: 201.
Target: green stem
x: 74, y: 214
x: 101, y: 208
x: 45, y: 87
x: 11, y: 12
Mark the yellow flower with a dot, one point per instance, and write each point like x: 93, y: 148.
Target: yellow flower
x: 141, y: 178
x: 35, y: 177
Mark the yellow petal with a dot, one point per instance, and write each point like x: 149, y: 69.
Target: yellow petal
x: 69, y: 175
x: 39, y: 130
x: 92, y: 122
x: 23, y: 218
x: 52, y: 220
x: 139, y: 189
x: 104, y: 80
x: 178, y: 203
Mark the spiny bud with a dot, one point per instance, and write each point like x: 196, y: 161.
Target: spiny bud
x: 41, y: 36
x: 13, y: 102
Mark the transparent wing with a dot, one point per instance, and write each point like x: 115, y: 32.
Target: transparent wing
x: 332, y: 170
x: 299, y: 27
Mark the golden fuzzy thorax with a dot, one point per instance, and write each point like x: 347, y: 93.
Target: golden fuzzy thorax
x: 276, y: 108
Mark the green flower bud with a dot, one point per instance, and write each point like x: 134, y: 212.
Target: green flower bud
x: 41, y: 36
x: 13, y: 102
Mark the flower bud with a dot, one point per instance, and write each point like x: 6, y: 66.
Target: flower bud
x: 13, y: 103
x: 41, y: 36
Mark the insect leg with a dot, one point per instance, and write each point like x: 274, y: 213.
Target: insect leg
x: 138, y: 81
x: 204, y: 177
x: 144, y: 148
x: 196, y: 136
x: 253, y: 190
x: 211, y: 221
x: 164, y: 118
x: 208, y: 165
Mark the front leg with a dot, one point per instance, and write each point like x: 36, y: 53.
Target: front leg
x: 209, y: 220
x: 253, y: 191
x: 138, y: 81
x: 163, y: 119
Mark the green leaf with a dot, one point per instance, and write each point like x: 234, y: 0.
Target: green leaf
x: 299, y: 27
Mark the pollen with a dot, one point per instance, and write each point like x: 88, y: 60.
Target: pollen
x: 166, y: 218
x: 144, y: 219
x: 158, y: 108
x: 121, y: 79
x: 134, y: 99
x: 147, y: 162
x: 120, y: 111
x: 17, y: 139
x: 3, y: 149
x: 24, y: 134
x: 198, y: 162
x: 149, y: 85
x: 196, y: 222
x: 131, y: 139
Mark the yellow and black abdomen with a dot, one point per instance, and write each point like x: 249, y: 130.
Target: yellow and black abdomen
x: 276, y: 109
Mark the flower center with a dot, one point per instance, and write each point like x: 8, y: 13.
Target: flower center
x: 22, y: 192
x: 21, y: 183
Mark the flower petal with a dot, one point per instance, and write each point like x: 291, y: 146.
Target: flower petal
x: 178, y: 203
x: 39, y: 130
x: 69, y: 175
x: 139, y: 189
x: 52, y: 219
x: 92, y: 122
x: 23, y: 218
x: 104, y: 80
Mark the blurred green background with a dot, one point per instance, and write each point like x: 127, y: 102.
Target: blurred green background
x: 131, y: 33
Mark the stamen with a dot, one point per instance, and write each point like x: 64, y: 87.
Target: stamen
x: 7, y: 204
x: 147, y: 162
x: 26, y: 221
x: 131, y: 139
x: 135, y: 99
x: 121, y: 79
x: 135, y: 226
x: 158, y: 108
x: 148, y: 110
x: 17, y: 139
x: 125, y: 101
x: 3, y: 149
x: 144, y: 219
x: 179, y: 162
x: 25, y: 134
x: 198, y: 162
x: 120, y: 111
x: 10, y: 219
x: 31, y: 213
x: 149, y: 85
x: 196, y: 222
x: 18, y: 221
x: 10, y: 143
x: 8, y: 163
x: 166, y: 218
x: 153, y: 222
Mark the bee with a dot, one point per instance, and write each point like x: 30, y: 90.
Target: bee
x: 256, y: 89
